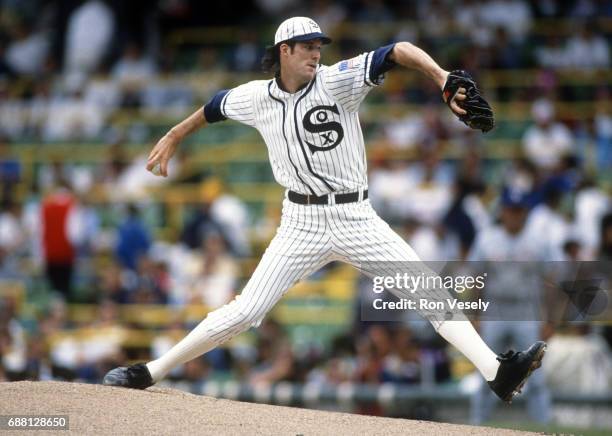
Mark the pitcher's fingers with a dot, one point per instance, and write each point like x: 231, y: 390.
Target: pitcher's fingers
x: 455, y: 107
x: 154, y: 152
x: 153, y: 156
x: 164, y: 167
x: 151, y: 164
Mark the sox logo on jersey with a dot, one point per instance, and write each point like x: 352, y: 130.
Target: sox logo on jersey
x: 313, y: 136
x: 331, y: 132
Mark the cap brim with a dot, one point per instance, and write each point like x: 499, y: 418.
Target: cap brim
x: 310, y: 36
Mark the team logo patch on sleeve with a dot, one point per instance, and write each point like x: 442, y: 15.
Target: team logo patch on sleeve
x: 345, y: 65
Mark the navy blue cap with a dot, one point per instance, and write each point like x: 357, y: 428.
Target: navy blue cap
x: 515, y: 198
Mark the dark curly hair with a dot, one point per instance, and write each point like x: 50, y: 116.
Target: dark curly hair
x: 270, y: 62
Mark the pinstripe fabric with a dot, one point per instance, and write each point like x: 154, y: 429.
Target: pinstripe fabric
x: 301, y: 246
x: 299, y: 27
x: 314, y: 136
x: 315, y: 145
x: 308, y: 238
x: 361, y: 238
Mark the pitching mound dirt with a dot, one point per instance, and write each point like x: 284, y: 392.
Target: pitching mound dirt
x: 101, y: 410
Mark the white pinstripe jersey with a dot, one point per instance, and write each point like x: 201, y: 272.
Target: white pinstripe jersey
x: 314, y: 138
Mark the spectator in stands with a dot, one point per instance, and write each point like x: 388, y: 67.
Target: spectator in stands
x: 588, y: 50
x: 151, y: 282
x: 86, y: 238
x: 514, y: 16
x: 546, y: 141
x: 521, y: 174
x: 58, y: 250
x: 552, y: 54
x: 275, y: 360
x: 13, y: 241
x: 405, y: 132
x: 132, y: 72
x: 232, y: 215
x: 466, y: 16
x: 429, y: 197
x: 27, y: 52
x: 12, y: 122
x: 434, y: 16
x: 133, y: 239
x: 583, y: 8
x: 10, y: 170
x: 76, y: 354
x: 246, y: 55
x: 37, y: 111
x: 70, y: 117
x: 6, y: 71
x: 328, y: 14
x: 591, y: 203
x: 605, y: 246
x: 114, y: 165
x: 341, y: 366
x: 38, y: 365
x: 215, y: 280
x: 53, y: 325
x: 372, y: 350
x: 84, y: 49
x: 578, y: 361
x: 371, y: 11
x: 276, y: 8
x: 100, y: 342
x: 103, y: 93
x: 505, y: 53
x: 414, y: 130
x: 170, y: 96
x: 515, y: 293
x: 466, y: 215
x: 110, y: 285
x: 198, y: 226
x: 388, y: 184
x: 547, y: 219
x: 403, y: 365
x: 430, y: 241
x: 603, y: 130
x: 13, y: 341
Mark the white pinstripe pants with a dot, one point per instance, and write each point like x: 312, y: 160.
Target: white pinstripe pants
x: 308, y: 237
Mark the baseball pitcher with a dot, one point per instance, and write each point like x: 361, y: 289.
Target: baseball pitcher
x: 308, y: 117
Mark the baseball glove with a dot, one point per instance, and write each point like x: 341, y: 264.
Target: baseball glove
x: 479, y: 113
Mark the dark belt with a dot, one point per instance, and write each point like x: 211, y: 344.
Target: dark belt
x: 350, y: 197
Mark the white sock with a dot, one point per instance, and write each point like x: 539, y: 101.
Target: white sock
x: 218, y: 327
x: 196, y: 343
x: 463, y: 336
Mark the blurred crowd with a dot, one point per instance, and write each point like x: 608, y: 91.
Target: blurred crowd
x: 61, y: 82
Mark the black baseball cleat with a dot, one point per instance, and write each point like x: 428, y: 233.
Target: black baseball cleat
x: 514, y: 370
x: 134, y: 376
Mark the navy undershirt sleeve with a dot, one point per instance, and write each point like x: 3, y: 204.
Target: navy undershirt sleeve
x: 212, y: 109
x: 380, y: 62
